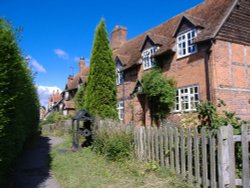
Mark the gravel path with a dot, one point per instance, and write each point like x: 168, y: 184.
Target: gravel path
x: 32, y: 169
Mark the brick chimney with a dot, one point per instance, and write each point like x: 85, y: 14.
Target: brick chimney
x: 81, y: 64
x: 118, y: 37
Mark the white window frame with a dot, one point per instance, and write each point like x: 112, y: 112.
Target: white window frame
x: 118, y: 76
x: 120, y: 110
x: 148, y: 58
x: 187, y: 99
x: 185, y: 44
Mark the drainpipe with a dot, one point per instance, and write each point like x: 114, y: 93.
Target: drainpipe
x: 123, y: 94
x: 207, y: 70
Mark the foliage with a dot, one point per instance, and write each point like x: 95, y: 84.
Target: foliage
x: 101, y: 87
x: 79, y: 98
x: 55, y: 117
x: 19, y: 105
x: 86, y: 168
x: 189, y: 120
x: 210, y: 117
x: 160, y: 93
x: 115, y: 143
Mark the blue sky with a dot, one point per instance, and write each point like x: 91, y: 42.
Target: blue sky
x: 57, y: 32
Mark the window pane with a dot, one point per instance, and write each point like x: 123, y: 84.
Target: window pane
x: 196, y: 89
x: 193, y: 33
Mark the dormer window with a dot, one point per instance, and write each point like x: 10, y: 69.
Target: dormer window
x: 118, y: 77
x: 185, y: 45
x: 148, y: 58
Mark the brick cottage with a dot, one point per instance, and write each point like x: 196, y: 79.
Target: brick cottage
x: 205, y: 49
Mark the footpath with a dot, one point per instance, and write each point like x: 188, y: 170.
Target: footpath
x: 32, y: 168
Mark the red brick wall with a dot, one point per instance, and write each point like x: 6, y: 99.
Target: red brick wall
x: 230, y: 65
x: 186, y: 71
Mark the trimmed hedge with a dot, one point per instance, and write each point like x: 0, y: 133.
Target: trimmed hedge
x: 19, y: 104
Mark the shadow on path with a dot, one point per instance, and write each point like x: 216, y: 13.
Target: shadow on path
x: 32, y: 168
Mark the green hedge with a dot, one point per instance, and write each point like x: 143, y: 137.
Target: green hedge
x: 19, y: 104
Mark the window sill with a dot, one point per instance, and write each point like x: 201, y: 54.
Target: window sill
x: 148, y: 68
x: 184, y: 111
x: 184, y: 56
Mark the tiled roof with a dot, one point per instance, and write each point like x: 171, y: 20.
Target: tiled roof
x: 55, y: 97
x: 209, y: 15
x: 74, y: 81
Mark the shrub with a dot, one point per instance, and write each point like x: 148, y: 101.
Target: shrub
x: 210, y: 117
x: 114, y: 142
x: 55, y: 117
x: 19, y: 105
x: 160, y: 92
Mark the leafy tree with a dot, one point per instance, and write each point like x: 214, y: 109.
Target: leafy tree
x: 101, y: 87
x: 160, y: 93
x: 19, y: 105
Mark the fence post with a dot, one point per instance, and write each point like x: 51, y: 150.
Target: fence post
x: 245, y: 155
x: 224, y: 166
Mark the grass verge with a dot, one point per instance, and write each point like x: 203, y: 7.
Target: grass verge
x: 87, y: 169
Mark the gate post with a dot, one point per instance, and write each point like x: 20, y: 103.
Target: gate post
x: 226, y: 157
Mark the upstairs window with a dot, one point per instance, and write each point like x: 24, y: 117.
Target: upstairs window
x: 148, y: 58
x: 185, y: 44
x: 118, y: 77
x: 120, y: 110
x: 187, y: 99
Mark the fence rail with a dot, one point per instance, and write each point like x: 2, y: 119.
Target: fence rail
x: 208, y: 158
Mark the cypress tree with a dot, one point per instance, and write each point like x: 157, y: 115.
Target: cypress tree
x: 101, y: 87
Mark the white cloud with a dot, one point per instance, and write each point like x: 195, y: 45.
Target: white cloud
x: 76, y: 59
x: 34, y: 64
x: 44, y: 92
x: 61, y: 53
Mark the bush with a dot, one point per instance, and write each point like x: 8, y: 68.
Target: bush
x: 19, y: 105
x: 114, y: 142
x: 55, y: 117
x: 160, y: 92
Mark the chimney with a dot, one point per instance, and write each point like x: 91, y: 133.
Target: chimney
x: 81, y: 64
x: 118, y: 37
x: 70, y: 77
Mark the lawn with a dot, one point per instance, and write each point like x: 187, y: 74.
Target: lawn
x: 87, y: 169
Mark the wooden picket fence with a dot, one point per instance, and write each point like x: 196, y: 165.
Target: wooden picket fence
x: 204, y: 157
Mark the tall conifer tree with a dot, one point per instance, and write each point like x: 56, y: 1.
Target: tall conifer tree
x: 101, y: 87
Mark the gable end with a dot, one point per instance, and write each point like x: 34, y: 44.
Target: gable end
x: 237, y: 27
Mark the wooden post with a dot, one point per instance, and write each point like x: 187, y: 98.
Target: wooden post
x: 245, y: 156
x: 161, y: 146
x: 197, y: 157
x: 204, y: 157
x: 224, y: 156
x: 212, y: 160
x: 183, y: 154
x: 171, y: 143
x: 166, y: 148
x: 177, y: 147
x: 149, y: 143
x: 232, y: 156
x: 190, y: 156
x: 156, y: 144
